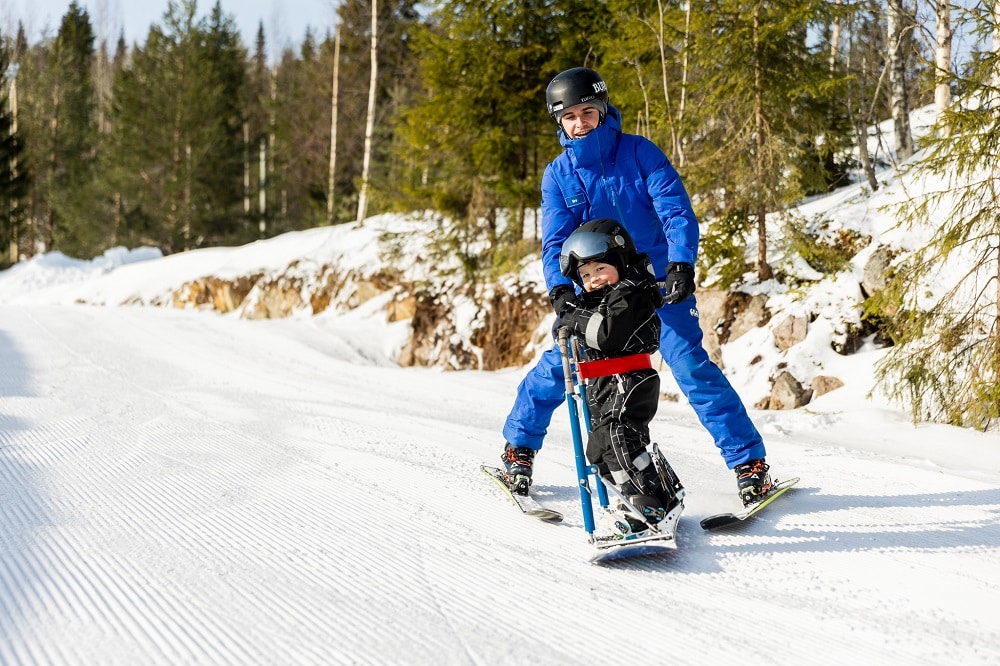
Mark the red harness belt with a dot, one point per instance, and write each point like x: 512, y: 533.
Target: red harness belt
x: 613, y: 366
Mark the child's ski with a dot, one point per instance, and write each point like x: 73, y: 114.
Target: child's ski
x: 527, y: 504
x: 661, y: 539
x: 725, y: 519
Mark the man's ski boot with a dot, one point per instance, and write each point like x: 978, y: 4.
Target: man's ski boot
x: 753, y: 480
x: 517, y: 462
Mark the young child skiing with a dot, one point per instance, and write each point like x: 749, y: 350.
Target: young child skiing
x: 615, y: 319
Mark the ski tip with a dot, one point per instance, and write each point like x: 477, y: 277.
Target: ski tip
x: 548, y: 515
x: 628, y: 551
x: 719, y: 520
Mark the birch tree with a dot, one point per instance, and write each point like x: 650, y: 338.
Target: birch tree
x: 942, y: 57
x: 335, y: 90
x: 370, y: 123
x: 649, y: 48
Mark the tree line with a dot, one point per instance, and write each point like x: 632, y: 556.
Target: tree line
x: 192, y: 138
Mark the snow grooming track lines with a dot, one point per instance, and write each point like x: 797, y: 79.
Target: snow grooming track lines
x: 181, y: 487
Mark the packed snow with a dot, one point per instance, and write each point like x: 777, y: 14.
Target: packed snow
x: 184, y: 487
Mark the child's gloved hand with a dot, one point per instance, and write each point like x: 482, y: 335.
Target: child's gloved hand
x: 563, y: 299
x: 679, y: 283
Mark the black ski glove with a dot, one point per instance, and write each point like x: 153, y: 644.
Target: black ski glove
x: 679, y: 283
x: 563, y: 299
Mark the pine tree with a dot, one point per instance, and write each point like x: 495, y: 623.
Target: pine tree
x: 760, y: 89
x: 299, y: 151
x: 62, y: 131
x: 217, y: 159
x: 175, y: 159
x: 479, y: 136
x: 943, y: 299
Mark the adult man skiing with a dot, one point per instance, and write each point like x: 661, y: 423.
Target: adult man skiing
x: 606, y: 173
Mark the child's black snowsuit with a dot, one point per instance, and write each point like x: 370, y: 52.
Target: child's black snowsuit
x: 613, y: 322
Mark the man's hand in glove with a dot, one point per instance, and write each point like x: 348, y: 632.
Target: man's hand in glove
x: 679, y: 284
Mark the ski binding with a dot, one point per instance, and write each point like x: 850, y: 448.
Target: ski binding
x: 661, y: 538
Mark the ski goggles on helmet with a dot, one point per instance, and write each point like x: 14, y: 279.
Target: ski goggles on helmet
x: 585, y: 246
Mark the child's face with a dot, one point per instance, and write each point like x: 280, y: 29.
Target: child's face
x: 595, y: 274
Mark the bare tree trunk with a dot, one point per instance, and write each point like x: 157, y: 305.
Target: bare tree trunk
x: 642, y: 117
x: 764, y: 271
x: 900, y: 25
x: 15, y: 252
x: 370, y: 125
x: 262, y: 186
x: 684, y: 62
x: 860, y: 121
x: 267, y: 151
x: 48, y: 237
x: 942, y: 57
x: 865, y: 157
x: 103, y: 80
x: 246, y: 168
x: 331, y: 175
x: 117, y: 217
x: 661, y: 42
x: 835, y: 41
x: 103, y: 74
x: 186, y: 213
x: 996, y: 44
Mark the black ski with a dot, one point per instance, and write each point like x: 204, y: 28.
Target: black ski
x: 726, y: 519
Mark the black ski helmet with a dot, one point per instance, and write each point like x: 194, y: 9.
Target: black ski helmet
x: 579, y: 85
x: 604, y: 239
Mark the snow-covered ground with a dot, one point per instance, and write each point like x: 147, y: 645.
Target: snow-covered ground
x: 180, y: 487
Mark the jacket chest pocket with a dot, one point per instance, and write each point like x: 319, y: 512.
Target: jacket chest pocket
x: 575, y: 199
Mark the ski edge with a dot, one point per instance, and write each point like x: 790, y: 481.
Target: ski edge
x: 725, y: 519
x: 527, y: 504
x: 639, y: 548
x: 652, y: 544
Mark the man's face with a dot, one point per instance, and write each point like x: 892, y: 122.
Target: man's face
x: 578, y: 121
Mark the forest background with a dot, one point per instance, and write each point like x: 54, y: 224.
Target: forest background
x: 193, y: 139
